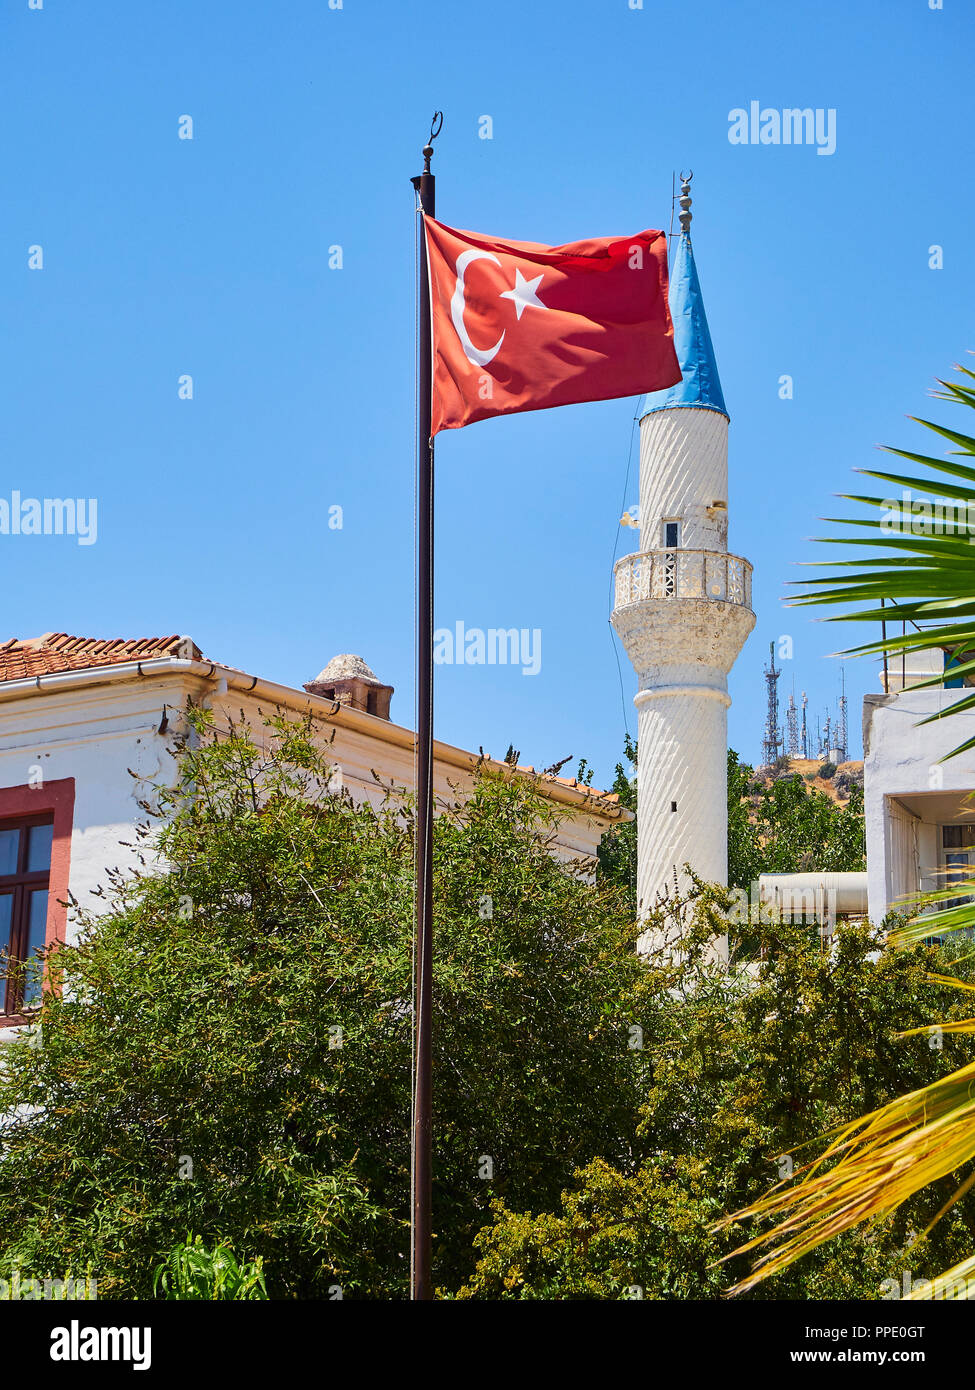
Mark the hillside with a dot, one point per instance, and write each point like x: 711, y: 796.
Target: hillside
x: 835, y: 787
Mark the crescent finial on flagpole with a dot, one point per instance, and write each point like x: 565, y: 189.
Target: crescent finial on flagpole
x: 436, y: 126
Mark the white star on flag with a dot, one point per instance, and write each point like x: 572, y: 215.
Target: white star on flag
x: 523, y: 295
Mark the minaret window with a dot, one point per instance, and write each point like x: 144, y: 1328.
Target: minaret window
x: 671, y: 540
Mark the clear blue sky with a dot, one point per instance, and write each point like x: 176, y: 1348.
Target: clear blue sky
x: 210, y: 257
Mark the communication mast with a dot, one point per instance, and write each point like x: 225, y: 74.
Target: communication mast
x: 772, y: 741
x: 841, y: 730
x: 792, y: 726
x: 804, y: 737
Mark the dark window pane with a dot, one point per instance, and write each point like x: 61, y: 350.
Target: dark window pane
x: 9, y: 841
x: 40, y: 838
x: 37, y: 929
x: 37, y: 920
x: 6, y: 917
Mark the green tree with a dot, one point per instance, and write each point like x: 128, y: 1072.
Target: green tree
x: 745, y: 856
x: 800, y: 828
x: 231, y: 1054
x: 746, y: 1070
x: 617, y: 849
x: 781, y: 828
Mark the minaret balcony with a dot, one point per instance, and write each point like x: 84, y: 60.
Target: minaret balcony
x: 677, y: 574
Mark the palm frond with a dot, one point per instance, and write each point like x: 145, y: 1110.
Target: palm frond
x: 872, y: 1166
x: 878, y: 1162
x: 954, y: 1283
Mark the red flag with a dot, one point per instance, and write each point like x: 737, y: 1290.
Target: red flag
x: 519, y: 326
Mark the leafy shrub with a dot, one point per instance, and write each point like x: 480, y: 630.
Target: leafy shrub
x: 191, y: 1271
x: 232, y: 1055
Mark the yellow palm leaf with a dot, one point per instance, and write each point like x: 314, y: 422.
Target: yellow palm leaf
x: 954, y: 1283
x: 878, y: 1162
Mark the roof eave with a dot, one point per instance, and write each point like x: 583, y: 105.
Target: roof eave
x: 384, y: 729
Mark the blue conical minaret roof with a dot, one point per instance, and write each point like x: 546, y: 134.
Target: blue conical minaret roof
x: 701, y: 385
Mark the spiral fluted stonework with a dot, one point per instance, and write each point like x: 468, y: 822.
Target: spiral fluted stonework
x: 683, y: 612
x: 683, y: 473
x: 682, y: 808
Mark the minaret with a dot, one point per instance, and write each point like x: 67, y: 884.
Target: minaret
x: 683, y: 606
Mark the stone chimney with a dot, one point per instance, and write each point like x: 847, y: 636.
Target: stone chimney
x: 349, y: 680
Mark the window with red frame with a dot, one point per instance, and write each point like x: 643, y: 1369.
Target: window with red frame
x: 25, y: 867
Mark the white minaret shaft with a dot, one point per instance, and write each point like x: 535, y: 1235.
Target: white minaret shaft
x: 683, y: 609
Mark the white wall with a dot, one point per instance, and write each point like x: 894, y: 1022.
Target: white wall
x: 357, y: 754
x: 902, y: 761
x: 97, y: 734
x: 94, y: 735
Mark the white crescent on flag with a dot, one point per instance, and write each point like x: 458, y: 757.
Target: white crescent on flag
x: 473, y: 354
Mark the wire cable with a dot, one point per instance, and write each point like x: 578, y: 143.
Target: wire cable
x: 612, y: 565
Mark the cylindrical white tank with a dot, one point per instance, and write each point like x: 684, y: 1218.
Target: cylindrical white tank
x: 846, y: 892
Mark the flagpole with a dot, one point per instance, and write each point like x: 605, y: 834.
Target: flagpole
x: 420, y: 1228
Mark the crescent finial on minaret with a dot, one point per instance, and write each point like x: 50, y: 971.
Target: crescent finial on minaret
x: 683, y: 611
x: 685, y: 202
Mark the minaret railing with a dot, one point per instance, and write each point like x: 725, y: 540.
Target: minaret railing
x: 664, y: 574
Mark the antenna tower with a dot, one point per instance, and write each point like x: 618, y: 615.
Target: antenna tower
x: 804, y: 736
x: 772, y: 741
x: 841, y: 730
x: 792, y: 726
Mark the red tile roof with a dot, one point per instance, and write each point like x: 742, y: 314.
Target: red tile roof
x: 58, y: 651
x: 568, y: 782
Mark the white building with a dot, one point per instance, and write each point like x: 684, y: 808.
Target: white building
x: 80, y: 716
x: 920, y: 819
x: 683, y: 607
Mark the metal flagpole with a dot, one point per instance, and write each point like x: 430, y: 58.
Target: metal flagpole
x: 420, y: 1250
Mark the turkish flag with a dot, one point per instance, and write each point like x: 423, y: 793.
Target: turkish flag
x: 519, y: 326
